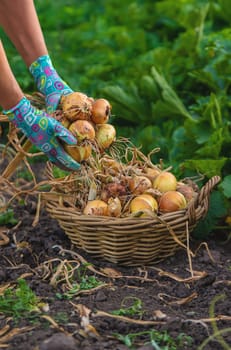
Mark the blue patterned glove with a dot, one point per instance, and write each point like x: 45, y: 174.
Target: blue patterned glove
x: 49, y: 82
x: 44, y: 132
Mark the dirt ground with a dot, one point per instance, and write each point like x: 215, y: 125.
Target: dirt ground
x: 176, y: 296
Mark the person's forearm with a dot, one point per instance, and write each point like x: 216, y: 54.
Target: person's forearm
x: 20, y: 22
x: 10, y: 92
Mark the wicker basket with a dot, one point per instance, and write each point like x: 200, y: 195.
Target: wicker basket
x: 130, y: 241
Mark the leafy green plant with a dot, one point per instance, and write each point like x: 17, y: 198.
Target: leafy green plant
x: 135, y: 309
x: 19, y: 302
x: 7, y: 217
x: 81, y: 283
x: 159, y: 340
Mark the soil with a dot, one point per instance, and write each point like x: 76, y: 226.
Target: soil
x: 175, y: 296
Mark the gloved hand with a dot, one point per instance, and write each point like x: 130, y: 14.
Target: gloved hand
x: 49, y: 82
x: 44, y: 132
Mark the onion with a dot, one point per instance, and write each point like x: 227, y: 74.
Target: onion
x: 186, y: 190
x: 165, y: 181
x: 172, y: 201
x: 113, y: 189
x: 82, y: 129
x: 105, y: 135
x: 114, y: 207
x: 150, y: 199
x: 101, y: 110
x: 65, y: 122
x: 143, y: 202
x: 151, y: 173
x: 76, y: 105
x: 79, y: 152
x: 139, y: 184
x: 96, y: 207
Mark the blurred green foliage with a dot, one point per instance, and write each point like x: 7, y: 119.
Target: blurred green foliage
x: 165, y: 66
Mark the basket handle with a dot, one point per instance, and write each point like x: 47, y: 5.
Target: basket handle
x: 202, y: 198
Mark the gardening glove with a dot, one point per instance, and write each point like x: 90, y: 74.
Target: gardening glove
x: 45, y: 132
x: 48, y: 82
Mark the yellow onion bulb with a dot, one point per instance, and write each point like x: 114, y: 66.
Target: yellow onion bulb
x: 101, y: 110
x: 139, y: 184
x: 82, y: 130
x: 172, y: 201
x: 96, y: 207
x: 143, y: 203
x: 105, y: 135
x: 151, y: 200
x: 76, y: 105
x: 165, y: 181
x: 78, y: 152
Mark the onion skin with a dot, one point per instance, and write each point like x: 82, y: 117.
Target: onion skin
x: 82, y: 130
x: 79, y: 152
x: 151, y: 200
x: 105, y: 135
x: 139, y: 204
x: 151, y: 173
x: 172, y: 201
x: 113, y: 190
x: 101, y: 110
x: 186, y: 190
x: 139, y: 184
x: 96, y: 207
x: 165, y: 181
x: 76, y: 105
x: 114, y: 207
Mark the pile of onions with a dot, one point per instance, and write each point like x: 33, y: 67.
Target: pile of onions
x: 87, y: 119
x: 138, y: 187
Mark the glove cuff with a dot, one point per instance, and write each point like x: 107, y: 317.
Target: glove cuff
x: 22, y: 105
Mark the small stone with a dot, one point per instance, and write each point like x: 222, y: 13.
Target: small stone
x: 100, y: 296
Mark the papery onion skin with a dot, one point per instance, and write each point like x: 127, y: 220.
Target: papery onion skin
x: 105, y: 135
x: 171, y: 201
x: 82, y: 129
x: 76, y: 105
x: 101, y: 110
x: 138, y: 204
x: 186, y: 190
x: 114, y: 207
x: 152, y: 173
x: 139, y: 184
x: 151, y: 200
x: 165, y: 181
x: 78, y: 152
x: 96, y: 207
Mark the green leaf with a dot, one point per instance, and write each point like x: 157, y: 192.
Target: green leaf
x: 207, y: 167
x: 217, y: 209
x: 170, y: 103
x: 226, y: 186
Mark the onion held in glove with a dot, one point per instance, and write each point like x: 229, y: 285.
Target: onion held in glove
x: 76, y: 105
x: 105, y: 135
x: 82, y: 130
x: 78, y: 152
x: 101, y: 110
